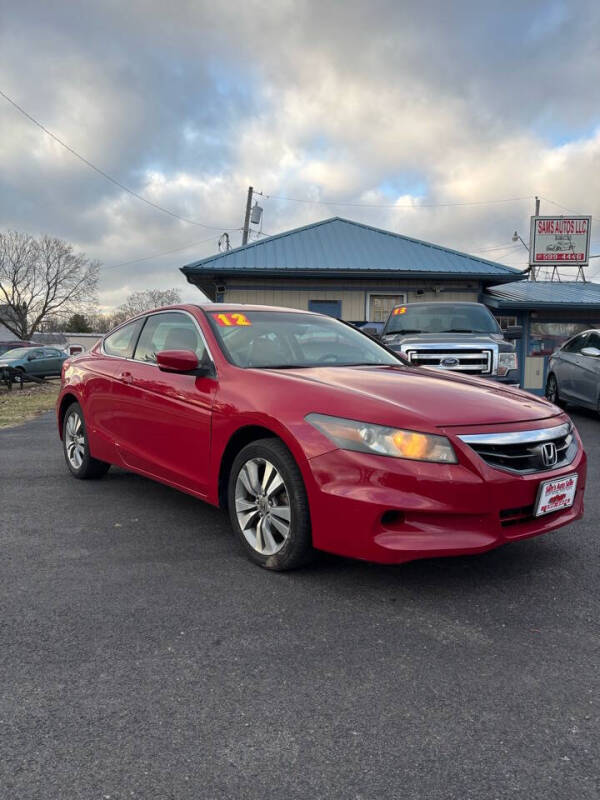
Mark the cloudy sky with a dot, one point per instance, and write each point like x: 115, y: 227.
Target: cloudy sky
x: 404, y: 115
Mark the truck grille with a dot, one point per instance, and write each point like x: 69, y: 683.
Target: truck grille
x: 473, y: 362
x: 524, y: 452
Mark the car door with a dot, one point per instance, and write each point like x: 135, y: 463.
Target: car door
x: 586, y: 374
x: 164, y: 418
x: 52, y: 361
x: 34, y: 364
x: 103, y: 368
x: 566, y: 365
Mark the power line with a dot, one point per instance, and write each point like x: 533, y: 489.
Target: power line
x: 395, y: 205
x: 564, y: 208
x: 106, y: 175
x: 157, y: 255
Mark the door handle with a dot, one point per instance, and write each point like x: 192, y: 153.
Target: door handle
x: 126, y: 377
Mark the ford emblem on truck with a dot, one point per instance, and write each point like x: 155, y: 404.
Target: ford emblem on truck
x: 449, y: 362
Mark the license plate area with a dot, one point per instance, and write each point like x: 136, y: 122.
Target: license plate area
x: 556, y: 495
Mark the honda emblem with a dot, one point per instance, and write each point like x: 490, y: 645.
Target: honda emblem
x: 549, y: 454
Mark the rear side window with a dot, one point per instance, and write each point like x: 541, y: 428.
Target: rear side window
x: 169, y: 331
x: 122, y: 341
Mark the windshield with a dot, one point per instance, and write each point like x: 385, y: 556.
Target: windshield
x: 280, y: 340
x: 441, y: 318
x: 16, y: 352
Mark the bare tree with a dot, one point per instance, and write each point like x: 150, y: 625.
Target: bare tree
x: 41, y: 278
x: 138, y: 302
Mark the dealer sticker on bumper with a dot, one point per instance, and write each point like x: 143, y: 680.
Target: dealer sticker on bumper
x: 556, y: 495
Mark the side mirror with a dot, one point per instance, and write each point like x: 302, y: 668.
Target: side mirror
x: 513, y: 332
x: 592, y: 352
x: 31, y: 357
x: 185, y: 361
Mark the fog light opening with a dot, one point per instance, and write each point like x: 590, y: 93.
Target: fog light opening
x: 392, y: 519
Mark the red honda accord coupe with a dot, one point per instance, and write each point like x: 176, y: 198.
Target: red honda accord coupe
x: 314, y: 436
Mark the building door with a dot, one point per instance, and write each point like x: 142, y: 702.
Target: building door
x: 333, y: 308
x: 381, y: 305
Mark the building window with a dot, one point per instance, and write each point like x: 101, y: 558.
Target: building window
x: 507, y: 322
x: 333, y: 308
x: 379, y: 306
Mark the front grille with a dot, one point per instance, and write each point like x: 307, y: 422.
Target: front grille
x: 473, y: 362
x: 524, y: 452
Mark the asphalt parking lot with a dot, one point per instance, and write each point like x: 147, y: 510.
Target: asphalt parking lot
x: 142, y: 655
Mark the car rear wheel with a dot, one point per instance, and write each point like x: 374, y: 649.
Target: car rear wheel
x: 76, y: 448
x: 552, y: 393
x: 268, y: 506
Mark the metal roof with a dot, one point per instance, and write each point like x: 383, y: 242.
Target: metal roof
x: 339, y: 246
x: 544, y: 294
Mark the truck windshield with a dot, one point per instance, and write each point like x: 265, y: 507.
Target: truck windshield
x: 441, y: 318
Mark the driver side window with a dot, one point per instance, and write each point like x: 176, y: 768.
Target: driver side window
x: 593, y: 341
x: 576, y: 344
x: 169, y: 331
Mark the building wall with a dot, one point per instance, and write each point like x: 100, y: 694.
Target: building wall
x: 6, y: 335
x: 353, y: 294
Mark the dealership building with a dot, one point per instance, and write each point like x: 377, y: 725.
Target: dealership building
x: 358, y: 273
x: 345, y: 269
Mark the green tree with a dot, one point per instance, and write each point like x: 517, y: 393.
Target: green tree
x: 78, y: 323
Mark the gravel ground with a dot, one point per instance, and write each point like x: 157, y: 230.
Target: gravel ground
x: 142, y: 656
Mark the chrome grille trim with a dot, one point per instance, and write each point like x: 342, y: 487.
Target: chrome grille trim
x: 517, y: 437
x: 478, y: 362
x: 521, y: 452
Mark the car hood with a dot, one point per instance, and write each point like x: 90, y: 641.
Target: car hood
x: 391, y: 339
x: 408, y: 395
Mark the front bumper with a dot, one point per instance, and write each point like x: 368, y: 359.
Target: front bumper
x: 391, y: 510
x: 510, y: 379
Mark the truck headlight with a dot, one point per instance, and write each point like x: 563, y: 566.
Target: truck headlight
x: 506, y: 362
x: 364, y: 437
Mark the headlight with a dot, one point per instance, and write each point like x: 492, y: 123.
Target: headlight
x: 506, y: 362
x: 349, y: 434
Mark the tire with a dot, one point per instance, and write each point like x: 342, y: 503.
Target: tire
x: 552, y: 393
x: 268, y: 506
x: 76, y: 448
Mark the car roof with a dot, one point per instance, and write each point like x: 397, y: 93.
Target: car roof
x: 244, y: 307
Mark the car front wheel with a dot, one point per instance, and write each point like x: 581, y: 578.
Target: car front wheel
x: 268, y: 506
x: 552, y: 393
x: 76, y: 448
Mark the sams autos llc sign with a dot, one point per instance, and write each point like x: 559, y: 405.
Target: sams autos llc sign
x: 559, y: 240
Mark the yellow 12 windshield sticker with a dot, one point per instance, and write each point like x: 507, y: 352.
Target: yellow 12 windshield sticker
x: 400, y: 310
x: 231, y: 319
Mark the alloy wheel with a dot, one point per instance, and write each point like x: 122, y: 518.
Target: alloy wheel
x: 75, y: 440
x: 552, y: 389
x: 262, y: 506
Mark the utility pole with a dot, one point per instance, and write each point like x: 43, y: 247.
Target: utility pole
x: 247, y: 217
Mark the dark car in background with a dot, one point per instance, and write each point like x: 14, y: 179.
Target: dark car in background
x: 14, y: 345
x: 574, y: 372
x: 35, y: 361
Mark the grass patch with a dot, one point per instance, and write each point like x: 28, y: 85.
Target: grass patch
x: 18, y: 406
